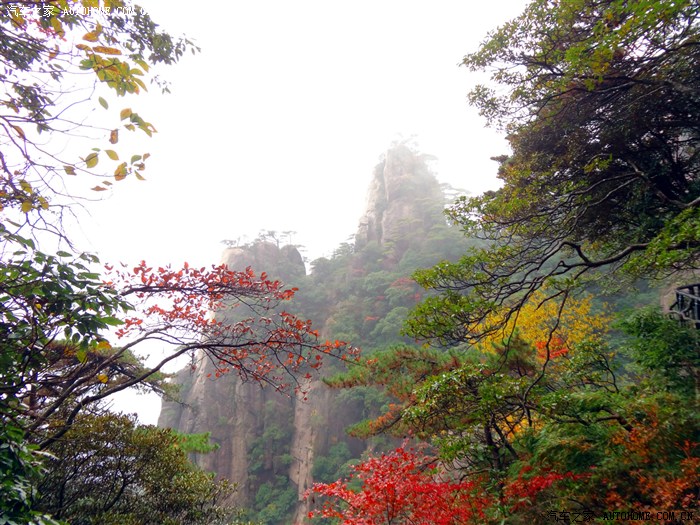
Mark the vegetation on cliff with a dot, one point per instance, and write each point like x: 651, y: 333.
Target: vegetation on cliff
x: 70, y: 330
x: 533, y: 405
x: 516, y: 395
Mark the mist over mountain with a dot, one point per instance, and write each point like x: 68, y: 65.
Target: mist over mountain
x: 273, y: 446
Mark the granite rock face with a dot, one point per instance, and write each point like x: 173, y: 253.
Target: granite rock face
x: 265, y: 437
x: 404, y: 202
x: 228, y: 407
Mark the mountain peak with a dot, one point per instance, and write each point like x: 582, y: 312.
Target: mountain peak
x: 404, y: 200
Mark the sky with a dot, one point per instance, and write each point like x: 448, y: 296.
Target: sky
x: 280, y: 120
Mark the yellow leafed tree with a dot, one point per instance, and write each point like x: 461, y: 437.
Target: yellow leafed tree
x: 554, y: 326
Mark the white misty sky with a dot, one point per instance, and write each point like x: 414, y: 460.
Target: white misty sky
x: 279, y: 122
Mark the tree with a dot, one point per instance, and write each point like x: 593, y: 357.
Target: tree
x: 582, y: 431
x: 397, y: 371
x: 110, y: 47
x: 399, y: 487
x: 48, y: 382
x: 108, y: 469
x: 20, y: 468
x: 510, y: 364
x: 601, y: 103
x: 57, y: 356
x: 44, y: 47
x: 621, y: 438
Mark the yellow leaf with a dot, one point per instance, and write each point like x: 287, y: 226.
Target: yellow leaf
x: 139, y: 176
x: 144, y: 65
x: 70, y: 170
x: 91, y: 160
x: 19, y: 131
x: 102, y: 378
x: 91, y: 36
x: 58, y: 27
x: 125, y: 113
x: 112, y: 154
x: 17, y: 19
x: 120, y: 172
x: 26, y: 187
x: 27, y: 206
x: 107, y: 50
x: 140, y: 83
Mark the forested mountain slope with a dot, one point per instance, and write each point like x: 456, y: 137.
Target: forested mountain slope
x: 276, y: 446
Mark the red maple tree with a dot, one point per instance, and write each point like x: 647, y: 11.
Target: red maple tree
x: 235, y: 319
x: 403, y: 486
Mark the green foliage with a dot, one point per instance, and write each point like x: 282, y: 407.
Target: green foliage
x: 54, y: 357
x: 274, y: 501
x: 395, y: 372
x: 20, y: 468
x: 107, y: 469
x: 600, y: 103
x: 198, y: 443
x: 334, y: 465
x: 664, y: 348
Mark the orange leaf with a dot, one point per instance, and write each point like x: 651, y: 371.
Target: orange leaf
x: 107, y: 50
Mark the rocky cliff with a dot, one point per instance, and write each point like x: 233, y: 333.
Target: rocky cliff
x: 229, y: 408
x: 404, y: 202
x: 273, y: 446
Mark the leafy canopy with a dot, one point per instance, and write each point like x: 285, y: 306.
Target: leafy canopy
x: 108, y: 469
x: 601, y: 103
x: 57, y: 56
x: 60, y: 60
